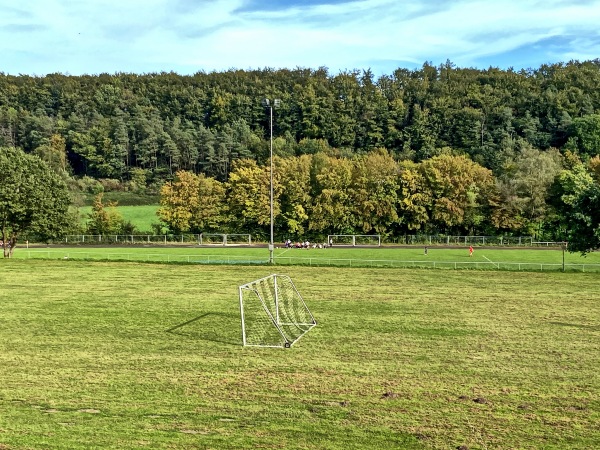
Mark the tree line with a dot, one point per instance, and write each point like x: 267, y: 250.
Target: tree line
x: 105, y: 126
x: 518, y: 131
x: 321, y: 194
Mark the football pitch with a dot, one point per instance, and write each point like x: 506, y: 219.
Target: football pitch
x: 516, y: 259
x: 119, y: 355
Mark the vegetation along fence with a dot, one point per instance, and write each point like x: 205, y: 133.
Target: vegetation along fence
x: 236, y: 238
x: 200, y: 239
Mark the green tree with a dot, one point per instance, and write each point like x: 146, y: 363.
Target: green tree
x: 331, y: 179
x: 295, y: 198
x: 33, y: 198
x: 576, y: 198
x: 572, y: 194
x: 54, y: 154
x: 460, y: 191
x: 525, y: 183
x: 586, y: 131
x: 414, y: 198
x: 105, y: 218
x: 374, y: 192
x: 8, y: 126
x: 594, y: 165
x: 583, y: 222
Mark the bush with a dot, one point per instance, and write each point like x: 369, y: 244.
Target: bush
x: 110, y: 184
x: 89, y: 185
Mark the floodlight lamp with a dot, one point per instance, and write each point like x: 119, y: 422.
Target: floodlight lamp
x: 266, y: 102
x: 276, y: 103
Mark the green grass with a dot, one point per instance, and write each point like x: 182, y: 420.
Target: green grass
x: 491, y: 259
x: 141, y: 216
x: 126, y: 355
x: 123, y: 198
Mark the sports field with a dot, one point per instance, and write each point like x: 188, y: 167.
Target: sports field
x: 519, y: 259
x: 126, y: 355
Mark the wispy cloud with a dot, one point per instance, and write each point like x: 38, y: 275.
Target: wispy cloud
x: 184, y: 36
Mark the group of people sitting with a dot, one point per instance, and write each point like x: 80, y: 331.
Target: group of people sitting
x: 305, y: 244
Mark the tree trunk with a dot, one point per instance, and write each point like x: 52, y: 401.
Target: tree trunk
x: 4, y: 247
x: 12, y: 243
x: 8, y: 243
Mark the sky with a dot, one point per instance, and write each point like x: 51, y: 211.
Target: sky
x: 79, y: 37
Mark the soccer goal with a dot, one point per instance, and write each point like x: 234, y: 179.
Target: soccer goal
x: 273, y: 312
x: 355, y: 239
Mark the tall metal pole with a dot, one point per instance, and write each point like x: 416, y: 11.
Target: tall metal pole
x: 271, y: 243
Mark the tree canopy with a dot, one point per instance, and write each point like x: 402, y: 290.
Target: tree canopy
x: 105, y: 126
x: 33, y: 198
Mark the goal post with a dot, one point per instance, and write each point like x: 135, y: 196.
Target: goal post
x: 355, y: 239
x: 273, y: 312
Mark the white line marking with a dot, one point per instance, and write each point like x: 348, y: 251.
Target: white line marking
x: 286, y: 250
x: 497, y: 265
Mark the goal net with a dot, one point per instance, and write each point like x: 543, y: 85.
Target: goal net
x: 354, y: 239
x: 273, y: 312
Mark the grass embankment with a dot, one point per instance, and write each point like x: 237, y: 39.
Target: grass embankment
x: 125, y: 355
x: 141, y: 216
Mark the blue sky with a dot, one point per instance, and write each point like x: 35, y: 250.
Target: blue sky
x: 77, y: 37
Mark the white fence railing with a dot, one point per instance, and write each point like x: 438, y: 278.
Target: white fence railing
x: 238, y: 238
x: 473, y: 265
x: 306, y: 261
x: 425, y: 239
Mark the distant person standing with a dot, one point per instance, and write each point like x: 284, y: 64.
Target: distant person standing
x: 470, y: 250
x: 426, y: 249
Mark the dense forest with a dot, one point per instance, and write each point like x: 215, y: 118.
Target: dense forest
x: 520, y: 130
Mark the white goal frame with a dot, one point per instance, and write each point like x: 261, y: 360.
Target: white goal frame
x: 273, y: 312
x: 333, y: 239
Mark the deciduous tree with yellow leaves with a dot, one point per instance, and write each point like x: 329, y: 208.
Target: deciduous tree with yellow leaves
x: 194, y: 203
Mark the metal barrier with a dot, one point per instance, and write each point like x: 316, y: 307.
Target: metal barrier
x: 309, y: 261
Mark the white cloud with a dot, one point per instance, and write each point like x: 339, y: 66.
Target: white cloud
x: 155, y: 35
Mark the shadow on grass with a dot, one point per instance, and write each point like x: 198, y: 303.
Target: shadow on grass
x: 222, y: 328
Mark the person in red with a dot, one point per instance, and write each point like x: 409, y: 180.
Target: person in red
x: 470, y: 250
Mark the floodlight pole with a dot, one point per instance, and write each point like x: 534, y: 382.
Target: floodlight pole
x: 267, y: 104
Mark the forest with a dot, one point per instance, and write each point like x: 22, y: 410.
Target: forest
x: 438, y: 149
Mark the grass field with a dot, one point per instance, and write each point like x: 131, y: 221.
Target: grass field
x: 449, y: 258
x: 125, y: 355
x: 141, y: 216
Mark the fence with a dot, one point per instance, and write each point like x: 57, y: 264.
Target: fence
x: 472, y: 265
x: 200, y: 239
x: 239, y: 239
x: 308, y: 261
x: 424, y: 239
